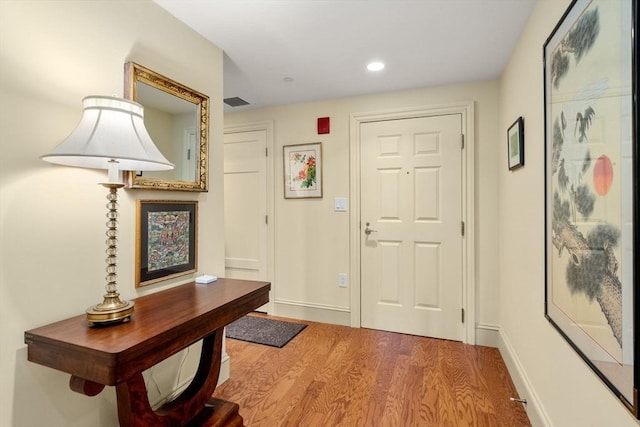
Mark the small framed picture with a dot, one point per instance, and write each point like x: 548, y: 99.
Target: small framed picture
x: 302, y: 171
x: 515, y: 144
x: 166, y: 233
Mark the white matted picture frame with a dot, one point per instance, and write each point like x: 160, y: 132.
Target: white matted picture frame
x: 302, y: 170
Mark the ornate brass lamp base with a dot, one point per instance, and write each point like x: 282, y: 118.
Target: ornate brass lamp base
x: 111, y: 310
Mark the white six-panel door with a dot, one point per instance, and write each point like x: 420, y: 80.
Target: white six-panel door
x: 411, y: 249
x: 245, y: 205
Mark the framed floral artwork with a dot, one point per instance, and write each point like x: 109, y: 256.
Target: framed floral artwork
x: 166, y: 232
x: 302, y: 171
x: 591, y: 178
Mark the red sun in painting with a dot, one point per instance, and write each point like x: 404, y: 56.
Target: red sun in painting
x: 602, y: 175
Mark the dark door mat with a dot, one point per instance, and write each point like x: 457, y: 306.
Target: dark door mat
x: 259, y: 330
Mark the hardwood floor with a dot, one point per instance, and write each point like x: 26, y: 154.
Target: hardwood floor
x: 339, y: 376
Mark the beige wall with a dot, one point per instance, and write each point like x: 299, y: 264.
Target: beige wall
x: 550, y: 374
x: 52, y: 218
x: 53, y: 53
x: 312, y: 241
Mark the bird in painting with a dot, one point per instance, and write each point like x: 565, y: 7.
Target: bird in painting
x: 583, y: 122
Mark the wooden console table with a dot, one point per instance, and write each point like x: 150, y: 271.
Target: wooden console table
x: 162, y: 324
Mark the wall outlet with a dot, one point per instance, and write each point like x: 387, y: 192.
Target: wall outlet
x: 342, y: 280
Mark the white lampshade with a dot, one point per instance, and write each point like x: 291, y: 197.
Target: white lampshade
x: 111, y: 131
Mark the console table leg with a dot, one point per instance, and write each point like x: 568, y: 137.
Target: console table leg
x: 133, y: 404
x: 86, y: 387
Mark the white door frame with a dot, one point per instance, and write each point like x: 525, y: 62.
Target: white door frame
x: 270, y: 158
x: 466, y: 109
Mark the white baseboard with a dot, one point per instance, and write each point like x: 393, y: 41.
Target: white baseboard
x: 487, y: 335
x: 535, y: 411
x: 313, y: 312
x: 225, y: 368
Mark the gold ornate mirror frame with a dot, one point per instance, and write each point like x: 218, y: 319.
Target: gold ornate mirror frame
x: 136, y: 74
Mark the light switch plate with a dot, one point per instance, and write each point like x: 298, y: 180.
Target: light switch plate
x: 341, y: 204
x: 342, y: 280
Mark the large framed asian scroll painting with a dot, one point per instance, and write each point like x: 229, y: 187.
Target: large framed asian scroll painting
x: 591, y: 190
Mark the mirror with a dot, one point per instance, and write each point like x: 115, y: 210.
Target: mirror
x: 177, y: 119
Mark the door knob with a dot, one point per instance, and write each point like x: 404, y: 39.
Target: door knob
x: 368, y: 230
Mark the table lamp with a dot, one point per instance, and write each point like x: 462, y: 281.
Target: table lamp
x: 111, y: 135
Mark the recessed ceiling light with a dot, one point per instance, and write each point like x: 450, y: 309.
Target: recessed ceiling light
x: 375, y: 66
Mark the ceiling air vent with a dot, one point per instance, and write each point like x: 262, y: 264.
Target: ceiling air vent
x: 235, y: 102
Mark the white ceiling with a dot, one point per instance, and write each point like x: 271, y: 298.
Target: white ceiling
x: 325, y: 45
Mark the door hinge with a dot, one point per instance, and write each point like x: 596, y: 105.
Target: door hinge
x: 266, y: 219
x: 266, y: 152
x: 462, y: 141
x: 462, y: 315
x: 462, y: 227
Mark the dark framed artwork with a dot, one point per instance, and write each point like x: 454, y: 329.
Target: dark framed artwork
x: 591, y: 190
x: 166, y: 245
x: 515, y: 144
